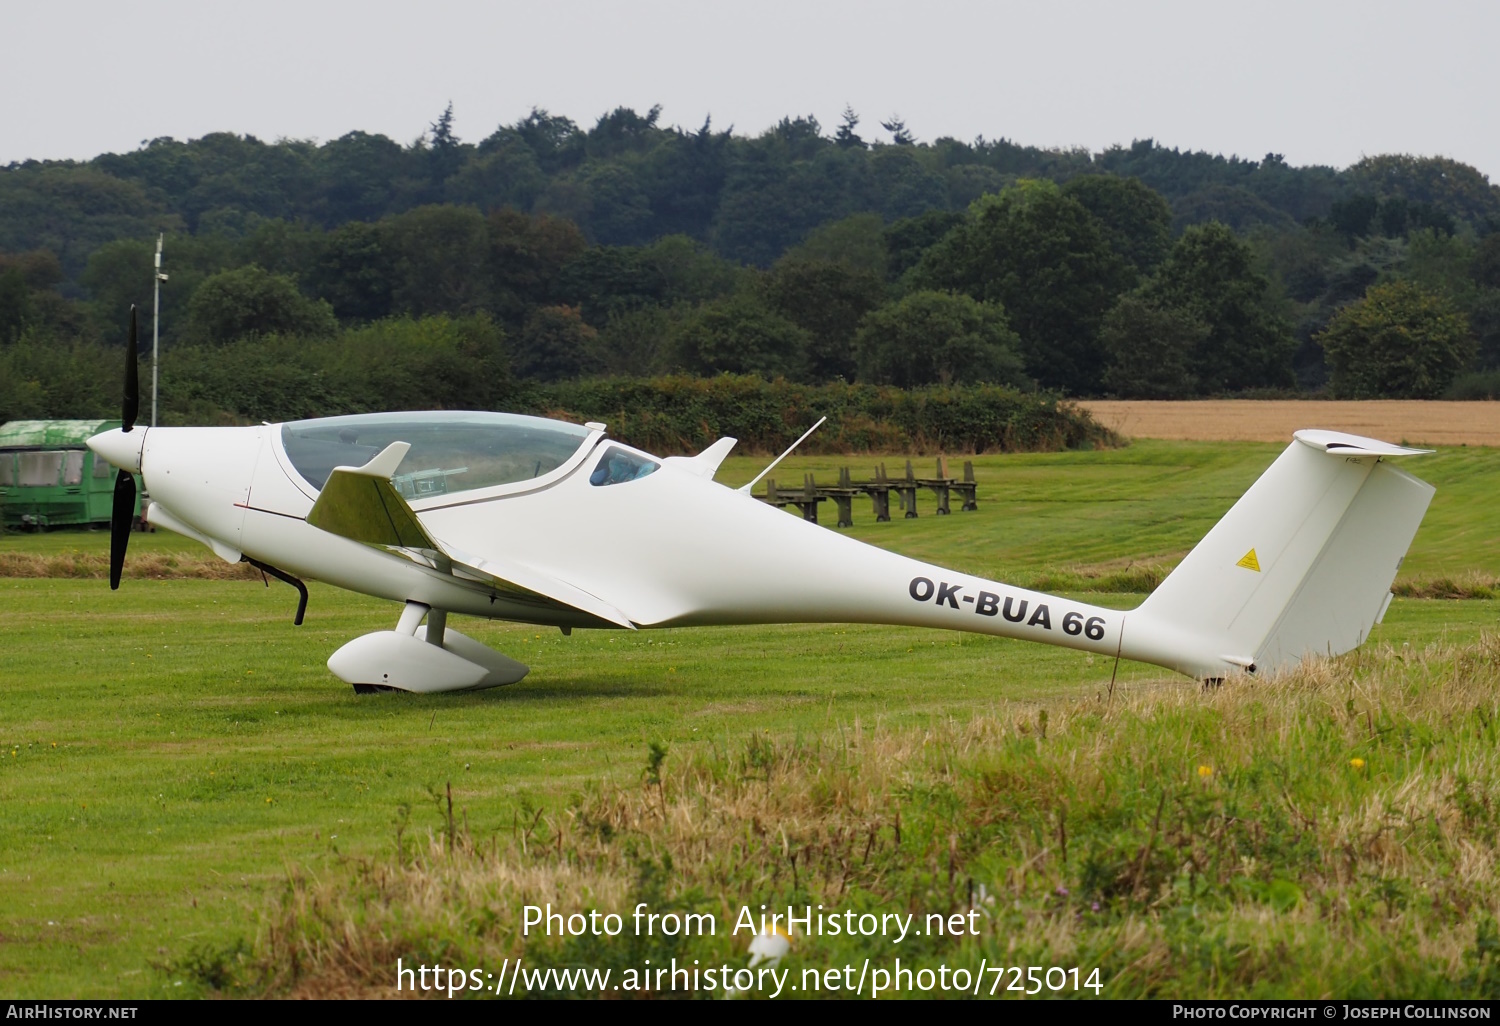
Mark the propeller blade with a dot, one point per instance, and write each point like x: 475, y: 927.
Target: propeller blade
x: 132, y: 379
x: 120, y: 518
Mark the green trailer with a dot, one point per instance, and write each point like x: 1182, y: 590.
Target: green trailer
x: 50, y: 478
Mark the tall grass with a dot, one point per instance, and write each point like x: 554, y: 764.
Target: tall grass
x: 1472, y: 585
x: 1332, y: 832
x: 1130, y: 578
x: 158, y: 566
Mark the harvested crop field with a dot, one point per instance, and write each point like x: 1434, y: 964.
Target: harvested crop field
x: 1273, y: 420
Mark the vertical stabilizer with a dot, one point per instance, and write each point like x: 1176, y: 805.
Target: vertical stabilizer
x: 1301, y: 565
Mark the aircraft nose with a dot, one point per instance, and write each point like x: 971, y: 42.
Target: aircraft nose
x: 121, y: 449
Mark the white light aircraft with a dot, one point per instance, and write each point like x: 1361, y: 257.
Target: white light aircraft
x: 521, y: 518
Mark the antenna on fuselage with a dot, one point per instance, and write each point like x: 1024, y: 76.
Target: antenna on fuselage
x: 763, y: 473
x: 155, y: 326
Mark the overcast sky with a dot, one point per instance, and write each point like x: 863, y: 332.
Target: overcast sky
x: 1320, y: 82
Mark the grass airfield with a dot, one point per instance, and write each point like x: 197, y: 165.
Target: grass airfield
x: 177, y: 751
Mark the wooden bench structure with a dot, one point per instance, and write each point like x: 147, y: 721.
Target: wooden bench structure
x: 879, y: 489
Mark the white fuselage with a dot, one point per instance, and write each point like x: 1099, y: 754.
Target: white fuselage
x: 551, y: 523
x: 673, y: 549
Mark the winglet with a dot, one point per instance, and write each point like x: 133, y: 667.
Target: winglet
x: 706, y: 463
x: 384, y: 463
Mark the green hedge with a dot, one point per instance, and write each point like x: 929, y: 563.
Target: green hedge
x: 684, y: 414
x: 442, y: 363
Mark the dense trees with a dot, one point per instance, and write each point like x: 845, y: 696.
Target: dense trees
x: 634, y: 247
x: 1047, y: 261
x: 1209, y: 277
x: 632, y: 178
x: 740, y: 335
x: 828, y: 301
x: 251, y: 301
x: 15, y: 305
x: 26, y: 296
x: 553, y: 344
x: 1136, y: 221
x: 526, y: 258
x: 1152, y: 350
x: 1400, y: 340
x: 937, y: 338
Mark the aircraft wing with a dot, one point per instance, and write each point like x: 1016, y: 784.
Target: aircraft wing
x: 361, y: 503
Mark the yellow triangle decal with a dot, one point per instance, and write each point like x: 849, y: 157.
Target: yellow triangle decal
x: 1249, y: 562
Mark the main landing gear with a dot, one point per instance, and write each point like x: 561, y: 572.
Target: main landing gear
x: 422, y: 659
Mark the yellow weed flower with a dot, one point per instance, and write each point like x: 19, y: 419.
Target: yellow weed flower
x: 1357, y: 763
x: 1205, y: 771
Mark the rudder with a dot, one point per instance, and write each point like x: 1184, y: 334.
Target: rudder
x: 1301, y: 564
x: 1349, y: 587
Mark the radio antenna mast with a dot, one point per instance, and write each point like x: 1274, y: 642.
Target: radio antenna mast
x: 763, y: 473
x: 156, y: 326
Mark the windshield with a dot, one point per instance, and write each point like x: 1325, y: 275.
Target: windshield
x: 451, y: 451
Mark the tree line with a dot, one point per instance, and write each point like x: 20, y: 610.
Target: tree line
x: 633, y: 249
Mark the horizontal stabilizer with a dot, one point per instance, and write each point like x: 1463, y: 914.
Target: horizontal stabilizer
x: 1337, y: 443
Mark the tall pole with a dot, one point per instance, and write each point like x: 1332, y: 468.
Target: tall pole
x: 156, y: 326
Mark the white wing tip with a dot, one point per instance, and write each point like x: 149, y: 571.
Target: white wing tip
x: 706, y: 463
x: 384, y: 463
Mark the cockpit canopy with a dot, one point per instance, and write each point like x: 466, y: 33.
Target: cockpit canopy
x: 451, y: 451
